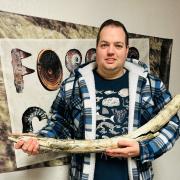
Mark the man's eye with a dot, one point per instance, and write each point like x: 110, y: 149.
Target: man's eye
x: 119, y: 46
x: 104, y: 45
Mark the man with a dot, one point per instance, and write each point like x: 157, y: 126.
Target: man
x: 106, y: 98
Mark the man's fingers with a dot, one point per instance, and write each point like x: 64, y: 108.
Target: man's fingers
x: 33, y: 145
x: 119, y: 150
x: 120, y: 154
x: 30, y: 146
x: 36, y: 149
x: 124, y: 143
x: 19, y: 144
x: 126, y: 148
x: 27, y: 144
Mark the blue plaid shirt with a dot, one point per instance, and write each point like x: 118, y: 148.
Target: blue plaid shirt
x: 71, y: 117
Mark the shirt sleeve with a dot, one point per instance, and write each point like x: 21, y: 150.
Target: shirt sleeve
x: 153, y: 100
x: 59, y: 125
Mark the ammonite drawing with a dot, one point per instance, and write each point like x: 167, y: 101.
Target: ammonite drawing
x: 73, y: 59
x: 133, y: 53
x: 49, y: 69
x: 28, y: 116
x: 90, y: 55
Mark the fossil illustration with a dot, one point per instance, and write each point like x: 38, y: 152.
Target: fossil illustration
x: 18, y: 69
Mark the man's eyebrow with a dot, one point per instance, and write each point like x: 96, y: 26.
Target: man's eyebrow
x: 119, y: 42
x: 103, y: 41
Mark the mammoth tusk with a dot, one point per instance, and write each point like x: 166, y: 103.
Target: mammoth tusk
x: 147, y: 131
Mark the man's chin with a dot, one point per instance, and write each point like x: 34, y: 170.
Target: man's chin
x: 110, y: 68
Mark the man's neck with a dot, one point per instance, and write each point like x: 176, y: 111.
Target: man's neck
x: 110, y: 75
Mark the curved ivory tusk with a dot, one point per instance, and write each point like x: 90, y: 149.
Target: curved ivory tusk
x: 147, y: 131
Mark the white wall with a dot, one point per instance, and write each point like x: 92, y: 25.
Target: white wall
x: 155, y: 17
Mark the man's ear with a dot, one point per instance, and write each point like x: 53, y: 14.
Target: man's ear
x: 127, y: 50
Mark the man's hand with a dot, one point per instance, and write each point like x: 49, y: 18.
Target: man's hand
x: 127, y: 148
x: 31, y: 146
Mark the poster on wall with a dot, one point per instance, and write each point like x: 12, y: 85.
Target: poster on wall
x: 29, y: 83
x: 33, y: 71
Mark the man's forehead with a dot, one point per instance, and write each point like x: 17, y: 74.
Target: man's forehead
x: 112, y: 27
x: 108, y: 31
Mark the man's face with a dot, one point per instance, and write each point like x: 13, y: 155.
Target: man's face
x: 111, y: 51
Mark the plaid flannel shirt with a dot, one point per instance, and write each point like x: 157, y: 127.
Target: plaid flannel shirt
x: 71, y: 117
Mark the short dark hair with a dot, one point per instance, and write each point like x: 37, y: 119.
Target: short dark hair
x: 114, y: 23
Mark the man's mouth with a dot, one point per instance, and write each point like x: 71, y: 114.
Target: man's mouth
x: 110, y: 60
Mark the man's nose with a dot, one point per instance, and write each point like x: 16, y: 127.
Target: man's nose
x: 110, y: 49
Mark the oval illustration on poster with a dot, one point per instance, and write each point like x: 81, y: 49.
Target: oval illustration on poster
x: 49, y: 69
x: 73, y: 59
x: 90, y: 55
x: 133, y: 53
